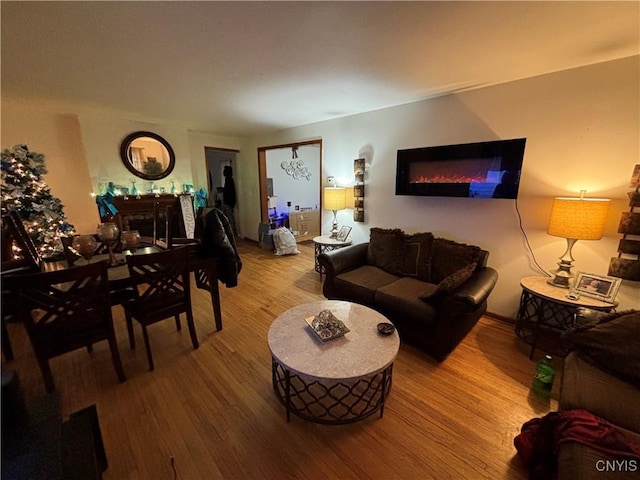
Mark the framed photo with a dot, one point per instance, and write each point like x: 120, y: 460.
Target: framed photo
x: 600, y: 287
x: 343, y: 233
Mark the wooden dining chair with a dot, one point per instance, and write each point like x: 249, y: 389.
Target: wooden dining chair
x: 204, y: 267
x: 164, y: 293
x: 119, y: 294
x: 65, y: 310
x: 26, y: 261
x: 179, y: 223
x: 17, y: 234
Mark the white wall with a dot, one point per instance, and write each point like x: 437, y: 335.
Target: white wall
x: 582, y: 128
x: 82, y: 148
x: 55, y: 132
x: 300, y: 192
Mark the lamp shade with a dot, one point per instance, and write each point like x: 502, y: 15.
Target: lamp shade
x: 335, y: 198
x: 578, y: 218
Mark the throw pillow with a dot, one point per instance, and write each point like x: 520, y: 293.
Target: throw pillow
x: 385, y: 249
x: 611, y: 344
x: 450, y: 283
x: 448, y: 257
x: 416, y: 258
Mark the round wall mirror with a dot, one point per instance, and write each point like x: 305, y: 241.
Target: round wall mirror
x: 147, y: 155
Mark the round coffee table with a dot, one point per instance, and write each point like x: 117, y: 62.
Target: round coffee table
x: 338, y: 381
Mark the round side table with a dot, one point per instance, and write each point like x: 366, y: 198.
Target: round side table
x: 326, y: 244
x: 545, y: 313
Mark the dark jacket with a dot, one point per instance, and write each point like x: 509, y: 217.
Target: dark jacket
x: 217, y: 238
x: 229, y: 189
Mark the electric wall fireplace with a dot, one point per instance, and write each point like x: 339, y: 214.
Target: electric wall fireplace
x: 480, y: 170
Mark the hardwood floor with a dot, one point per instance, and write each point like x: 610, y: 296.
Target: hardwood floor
x: 213, y: 410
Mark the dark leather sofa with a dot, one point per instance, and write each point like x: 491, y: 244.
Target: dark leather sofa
x: 433, y: 303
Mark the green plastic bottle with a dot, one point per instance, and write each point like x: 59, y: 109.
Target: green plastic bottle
x: 543, y: 378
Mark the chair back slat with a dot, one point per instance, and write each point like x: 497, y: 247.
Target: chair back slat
x: 16, y: 232
x: 158, y: 210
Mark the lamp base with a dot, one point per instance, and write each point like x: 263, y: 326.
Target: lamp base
x: 559, y: 281
x: 562, y: 277
x: 334, y: 231
x: 334, y: 226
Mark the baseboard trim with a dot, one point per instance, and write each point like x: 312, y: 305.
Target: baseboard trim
x: 500, y: 318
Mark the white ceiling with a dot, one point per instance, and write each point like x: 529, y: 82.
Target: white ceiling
x: 247, y: 67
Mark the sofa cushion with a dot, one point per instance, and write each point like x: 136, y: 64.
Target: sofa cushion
x: 586, y: 386
x: 402, y: 297
x: 611, y: 344
x: 448, y: 257
x: 416, y: 255
x: 385, y: 250
x: 361, y: 283
x: 450, y: 283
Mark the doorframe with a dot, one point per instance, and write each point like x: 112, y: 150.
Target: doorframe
x: 262, y: 175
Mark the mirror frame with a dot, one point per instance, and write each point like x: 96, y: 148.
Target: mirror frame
x: 124, y: 155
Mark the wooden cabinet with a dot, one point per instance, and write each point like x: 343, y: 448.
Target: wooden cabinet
x: 305, y: 225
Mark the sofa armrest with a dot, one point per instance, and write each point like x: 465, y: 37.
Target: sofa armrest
x: 584, y: 385
x: 475, y: 291
x: 337, y: 261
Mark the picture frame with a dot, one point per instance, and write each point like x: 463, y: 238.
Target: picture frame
x: 600, y: 287
x: 343, y: 233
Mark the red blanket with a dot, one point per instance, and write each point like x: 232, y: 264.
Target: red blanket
x: 540, y: 439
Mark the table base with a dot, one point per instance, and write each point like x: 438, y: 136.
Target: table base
x: 320, y: 248
x: 541, y: 322
x: 331, y: 402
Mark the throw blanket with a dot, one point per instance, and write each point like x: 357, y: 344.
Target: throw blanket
x: 540, y: 439
x: 214, y: 230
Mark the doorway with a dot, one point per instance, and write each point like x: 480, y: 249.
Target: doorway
x: 290, y: 186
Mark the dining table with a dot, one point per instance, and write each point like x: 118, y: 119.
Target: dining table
x: 204, y: 268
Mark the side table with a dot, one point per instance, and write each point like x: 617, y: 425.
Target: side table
x: 324, y: 244
x: 545, y: 313
x: 340, y: 381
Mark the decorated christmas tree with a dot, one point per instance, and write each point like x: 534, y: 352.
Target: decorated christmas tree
x: 24, y: 190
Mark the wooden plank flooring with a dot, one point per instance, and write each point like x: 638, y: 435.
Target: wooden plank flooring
x: 213, y: 410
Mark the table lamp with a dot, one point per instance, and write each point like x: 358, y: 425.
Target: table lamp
x: 575, y: 219
x: 334, y: 199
